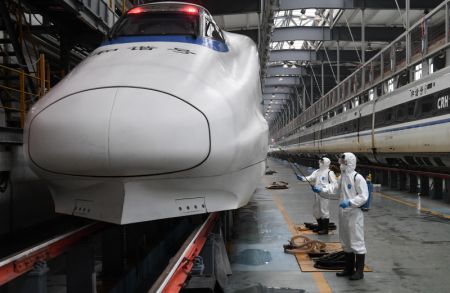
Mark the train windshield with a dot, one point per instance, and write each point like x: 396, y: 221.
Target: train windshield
x: 144, y: 22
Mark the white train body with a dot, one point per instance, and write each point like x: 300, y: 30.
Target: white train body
x: 153, y: 127
x: 407, y: 127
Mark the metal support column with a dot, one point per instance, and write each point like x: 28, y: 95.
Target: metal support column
x: 304, y: 98
x: 413, y: 183
x: 393, y: 179
x: 446, y: 195
x: 64, y: 55
x: 312, y: 90
x: 378, y: 177
x: 424, y: 186
x: 408, y: 39
x: 402, y: 181
x: 80, y: 268
x: 323, y: 79
x: 436, y: 190
x: 338, y: 64
x: 385, y: 178
x: 363, y: 47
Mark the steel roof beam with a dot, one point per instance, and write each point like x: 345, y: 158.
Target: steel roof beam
x: 280, y: 70
x: 278, y: 90
x: 281, y: 81
x: 291, y: 55
x: 278, y: 97
x: 304, y: 4
x: 341, y: 33
x: 352, y: 4
x: 311, y: 55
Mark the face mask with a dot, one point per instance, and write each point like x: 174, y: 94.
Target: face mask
x: 321, y: 164
x: 343, y: 167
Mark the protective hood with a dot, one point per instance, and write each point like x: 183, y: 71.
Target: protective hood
x: 350, y: 158
x: 324, y: 163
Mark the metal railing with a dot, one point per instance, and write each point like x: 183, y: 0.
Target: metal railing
x: 14, y: 89
x: 425, y: 38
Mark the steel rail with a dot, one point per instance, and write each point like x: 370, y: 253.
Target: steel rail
x: 23, y: 261
x: 174, y: 276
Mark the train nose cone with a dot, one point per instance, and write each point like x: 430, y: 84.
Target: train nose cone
x: 118, y: 132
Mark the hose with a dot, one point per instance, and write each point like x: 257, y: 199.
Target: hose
x: 294, y: 169
x: 302, y: 244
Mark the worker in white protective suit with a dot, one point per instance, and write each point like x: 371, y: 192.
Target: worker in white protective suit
x: 352, y: 188
x: 321, y: 177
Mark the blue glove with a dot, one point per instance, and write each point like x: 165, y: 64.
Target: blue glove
x: 316, y: 189
x: 344, y: 203
x: 301, y: 178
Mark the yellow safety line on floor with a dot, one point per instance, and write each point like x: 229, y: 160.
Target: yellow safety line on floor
x: 318, y: 277
x: 286, y: 217
x: 414, y: 205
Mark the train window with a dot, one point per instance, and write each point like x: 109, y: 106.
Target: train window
x: 365, y: 122
x: 410, y: 108
x: 371, y: 94
x: 403, y: 79
x: 379, y: 119
x: 157, y: 23
x: 212, y: 31
x: 426, y: 108
x: 418, y: 71
x: 401, y: 113
x: 390, y: 85
x: 379, y: 90
x: 438, y: 62
x: 389, y: 116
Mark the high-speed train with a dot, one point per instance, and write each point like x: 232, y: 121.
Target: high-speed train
x: 408, y: 127
x: 162, y: 120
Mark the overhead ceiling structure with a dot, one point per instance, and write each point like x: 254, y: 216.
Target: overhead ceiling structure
x: 307, y: 47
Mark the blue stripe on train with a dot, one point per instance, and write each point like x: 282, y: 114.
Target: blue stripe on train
x: 418, y: 125
x: 202, y: 41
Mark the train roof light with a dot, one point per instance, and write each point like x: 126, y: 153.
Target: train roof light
x: 165, y: 8
x: 136, y: 10
x: 190, y: 10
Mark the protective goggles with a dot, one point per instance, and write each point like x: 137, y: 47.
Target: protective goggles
x: 342, y: 160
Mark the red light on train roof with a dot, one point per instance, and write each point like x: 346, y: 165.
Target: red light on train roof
x: 190, y: 10
x: 136, y: 10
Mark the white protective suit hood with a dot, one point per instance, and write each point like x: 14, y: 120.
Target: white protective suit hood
x: 350, y: 158
x: 324, y: 163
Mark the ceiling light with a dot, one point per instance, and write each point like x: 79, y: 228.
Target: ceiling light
x: 280, y: 78
x: 285, y: 65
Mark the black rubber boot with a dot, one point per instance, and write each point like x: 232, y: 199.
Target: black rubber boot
x: 349, y: 265
x: 319, y: 225
x: 359, y: 268
x: 324, y: 229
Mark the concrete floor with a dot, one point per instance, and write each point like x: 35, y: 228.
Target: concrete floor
x: 408, y: 249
